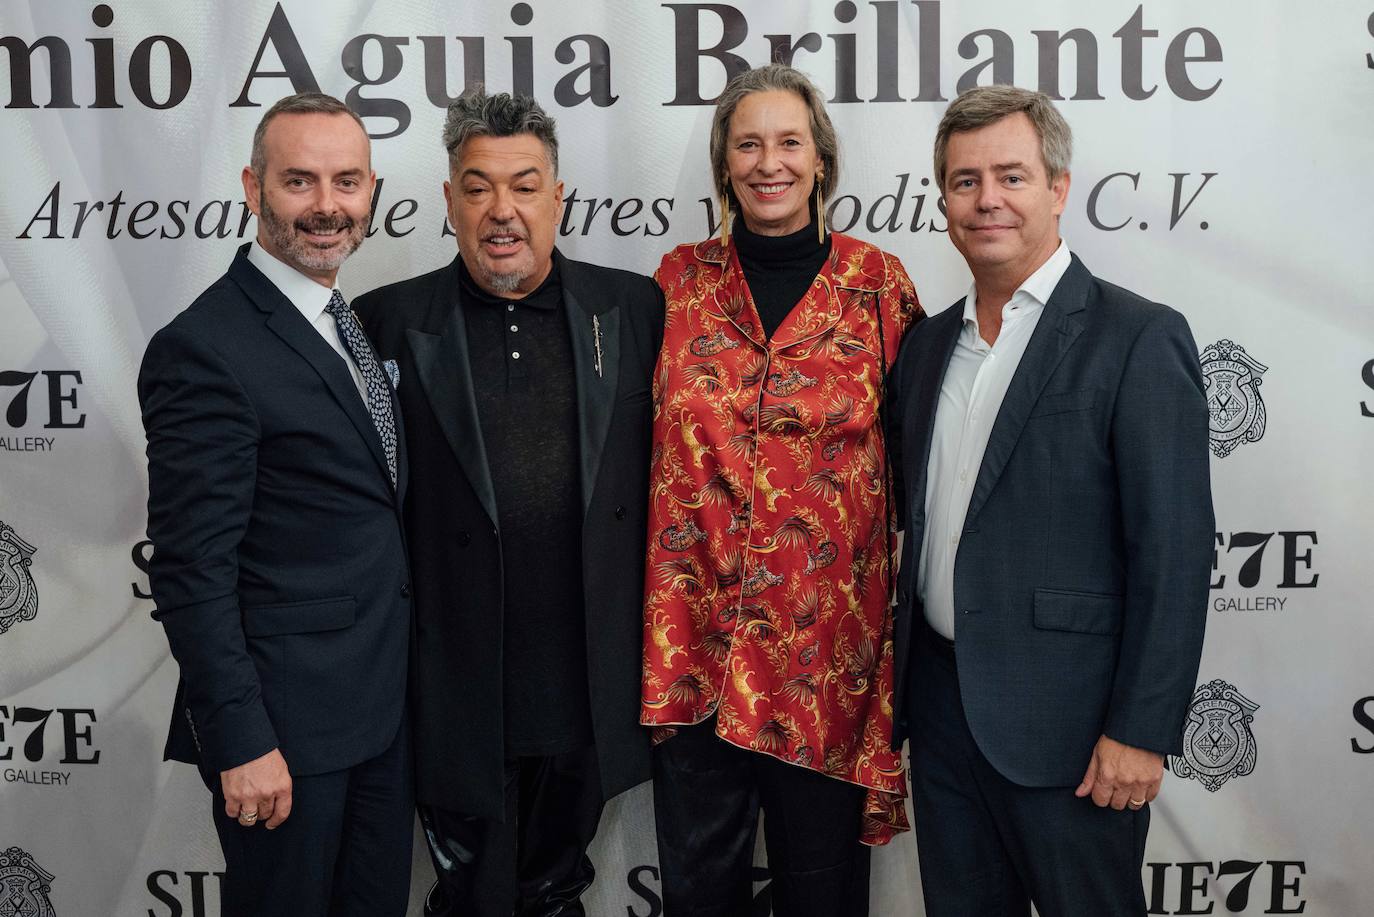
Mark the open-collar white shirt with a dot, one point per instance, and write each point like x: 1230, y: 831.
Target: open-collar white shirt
x: 310, y: 299
x: 970, y: 397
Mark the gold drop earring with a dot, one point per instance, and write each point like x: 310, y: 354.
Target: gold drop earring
x: 725, y: 218
x: 820, y: 209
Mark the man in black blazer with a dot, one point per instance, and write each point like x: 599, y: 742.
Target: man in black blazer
x: 1052, y: 431
x: 275, y: 479
x: 525, y: 387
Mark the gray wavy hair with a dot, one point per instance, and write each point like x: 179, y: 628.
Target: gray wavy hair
x: 476, y: 114
x: 764, y: 79
x: 983, y: 105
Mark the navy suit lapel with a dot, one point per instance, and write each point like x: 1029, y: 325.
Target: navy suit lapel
x: 595, y: 336
x: 441, y: 360
x: 1059, y: 327
x: 920, y: 411
x: 286, y: 321
x: 918, y: 427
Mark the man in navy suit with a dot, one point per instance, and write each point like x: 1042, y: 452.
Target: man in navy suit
x: 1052, y: 436
x: 275, y: 480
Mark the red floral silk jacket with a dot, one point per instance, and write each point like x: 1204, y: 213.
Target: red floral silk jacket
x: 767, y: 581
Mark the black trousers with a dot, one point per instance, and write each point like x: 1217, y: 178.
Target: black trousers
x: 343, y: 852
x: 707, y: 797
x: 534, y: 864
x: 989, y: 847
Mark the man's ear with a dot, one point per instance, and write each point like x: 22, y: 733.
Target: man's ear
x: 448, y: 204
x: 1060, y: 188
x: 252, y: 190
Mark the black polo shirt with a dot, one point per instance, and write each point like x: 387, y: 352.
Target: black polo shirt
x: 520, y: 352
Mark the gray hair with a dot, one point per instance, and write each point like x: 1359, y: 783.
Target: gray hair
x: 983, y: 105
x: 302, y: 103
x: 476, y: 114
x: 765, y: 79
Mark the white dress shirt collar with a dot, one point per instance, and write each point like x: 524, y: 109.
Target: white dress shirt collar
x: 1036, y: 290
x: 309, y: 297
x: 310, y: 300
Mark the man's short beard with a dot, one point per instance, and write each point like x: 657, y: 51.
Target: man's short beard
x: 286, y: 240
x: 503, y: 283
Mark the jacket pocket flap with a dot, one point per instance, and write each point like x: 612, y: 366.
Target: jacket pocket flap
x: 1061, y: 402
x: 298, y: 617
x: 1079, y: 612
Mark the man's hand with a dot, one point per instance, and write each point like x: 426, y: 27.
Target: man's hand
x: 1121, y: 775
x: 263, y: 785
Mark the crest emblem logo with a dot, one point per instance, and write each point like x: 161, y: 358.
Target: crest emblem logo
x: 1217, y: 741
x: 24, y: 886
x: 18, y: 595
x: 1235, y: 410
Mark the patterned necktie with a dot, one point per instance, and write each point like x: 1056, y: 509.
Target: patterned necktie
x: 378, y: 391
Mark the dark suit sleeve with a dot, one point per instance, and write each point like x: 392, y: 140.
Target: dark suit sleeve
x: 370, y: 311
x: 202, y: 467
x: 892, y: 429
x: 1159, y: 441
x: 658, y: 316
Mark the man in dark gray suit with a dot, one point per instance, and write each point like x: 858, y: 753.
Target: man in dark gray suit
x: 1051, y: 429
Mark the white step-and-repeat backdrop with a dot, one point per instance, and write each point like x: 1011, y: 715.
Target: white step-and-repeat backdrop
x: 1222, y: 166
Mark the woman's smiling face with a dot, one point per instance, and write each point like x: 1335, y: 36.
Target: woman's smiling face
x: 772, y: 161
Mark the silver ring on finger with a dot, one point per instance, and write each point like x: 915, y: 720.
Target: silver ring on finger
x: 1135, y: 803
x: 247, y: 818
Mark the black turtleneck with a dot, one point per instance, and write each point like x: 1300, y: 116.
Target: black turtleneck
x: 779, y: 269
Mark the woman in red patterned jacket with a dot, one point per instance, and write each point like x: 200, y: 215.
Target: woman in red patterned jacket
x: 768, y: 629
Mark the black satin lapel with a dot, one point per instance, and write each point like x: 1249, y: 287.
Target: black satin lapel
x: 594, y: 337
x: 446, y: 377
x: 291, y: 327
x: 1058, y: 328
x: 920, y: 414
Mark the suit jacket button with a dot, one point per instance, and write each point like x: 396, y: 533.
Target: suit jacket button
x: 464, y: 539
x: 405, y: 590
x: 620, y: 512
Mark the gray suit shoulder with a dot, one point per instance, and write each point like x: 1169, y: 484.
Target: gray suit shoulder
x: 1133, y: 307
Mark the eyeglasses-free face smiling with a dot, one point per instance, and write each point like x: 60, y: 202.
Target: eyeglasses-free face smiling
x: 1003, y: 208
x: 314, y: 198
x: 772, y: 161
